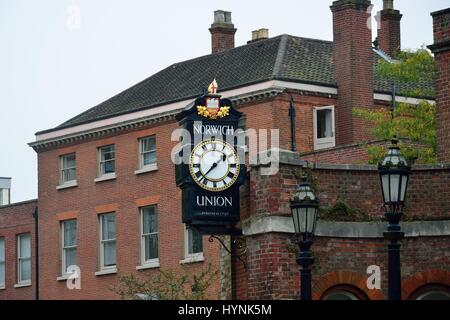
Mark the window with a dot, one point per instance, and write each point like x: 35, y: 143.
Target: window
x: 149, y: 235
x: 344, y: 292
x: 4, y: 197
x: 147, y: 151
x: 107, y: 162
x: 193, y: 243
x: 432, y: 291
x: 24, y: 258
x: 2, y: 262
x: 69, y: 244
x: 323, y: 127
x: 107, y: 240
x: 68, y: 168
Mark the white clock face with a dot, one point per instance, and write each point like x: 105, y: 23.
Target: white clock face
x: 214, y: 165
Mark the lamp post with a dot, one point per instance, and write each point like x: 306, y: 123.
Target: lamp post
x: 394, y: 173
x: 304, y: 213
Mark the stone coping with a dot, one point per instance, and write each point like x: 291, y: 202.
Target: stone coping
x: 339, y: 229
x: 288, y: 157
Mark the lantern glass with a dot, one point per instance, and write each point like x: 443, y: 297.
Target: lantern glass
x: 394, y: 173
x: 304, y: 210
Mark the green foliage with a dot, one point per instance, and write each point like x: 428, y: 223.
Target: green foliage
x: 166, y: 285
x: 340, y: 211
x: 411, y: 67
x: 410, y: 122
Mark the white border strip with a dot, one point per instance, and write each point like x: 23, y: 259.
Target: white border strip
x: 235, y: 93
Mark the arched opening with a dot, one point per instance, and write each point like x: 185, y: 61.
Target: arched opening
x: 431, y: 292
x: 344, y: 292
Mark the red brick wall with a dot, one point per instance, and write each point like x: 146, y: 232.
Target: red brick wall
x: 389, y: 34
x: 123, y: 195
x: 352, y: 56
x: 16, y: 219
x: 274, y: 274
x: 272, y: 271
x: 222, y: 39
x: 441, y: 26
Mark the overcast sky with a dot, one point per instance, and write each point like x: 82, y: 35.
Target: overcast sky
x: 53, y: 66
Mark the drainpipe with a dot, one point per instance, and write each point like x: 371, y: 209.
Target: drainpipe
x: 292, y: 116
x: 36, y: 253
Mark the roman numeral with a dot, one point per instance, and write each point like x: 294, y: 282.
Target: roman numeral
x: 232, y: 165
x: 230, y: 175
x: 214, y: 184
x: 198, y: 174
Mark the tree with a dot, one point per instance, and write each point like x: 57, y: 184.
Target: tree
x: 166, y: 284
x: 414, y: 123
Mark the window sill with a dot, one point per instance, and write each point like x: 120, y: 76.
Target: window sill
x: 148, y: 168
x: 149, y: 265
x: 2, y: 287
x: 23, y: 284
x: 106, y: 177
x: 64, y: 277
x: 70, y: 184
x: 193, y: 259
x: 106, y: 271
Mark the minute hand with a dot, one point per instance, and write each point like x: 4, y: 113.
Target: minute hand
x: 216, y: 163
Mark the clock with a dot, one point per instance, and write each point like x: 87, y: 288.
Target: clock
x: 214, y: 165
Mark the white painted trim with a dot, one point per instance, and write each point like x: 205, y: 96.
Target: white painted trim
x: 409, y: 100
x: 23, y: 284
x: 145, y: 113
x: 234, y: 93
x: 106, y: 177
x: 305, y: 87
x: 106, y: 271
x: 149, y: 264
x: 147, y: 168
x: 2, y: 287
x: 324, y: 143
x: 193, y: 258
x: 70, y: 184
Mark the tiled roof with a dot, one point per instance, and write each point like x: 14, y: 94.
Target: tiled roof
x: 283, y: 57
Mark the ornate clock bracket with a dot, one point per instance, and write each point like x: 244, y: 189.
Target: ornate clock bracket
x: 240, y: 245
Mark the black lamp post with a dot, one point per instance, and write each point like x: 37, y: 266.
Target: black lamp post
x: 394, y: 173
x: 304, y: 213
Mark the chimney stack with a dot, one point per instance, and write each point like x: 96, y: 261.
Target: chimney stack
x: 353, y: 67
x: 222, y: 31
x: 441, y: 50
x: 5, y: 191
x: 260, y: 34
x: 389, y: 32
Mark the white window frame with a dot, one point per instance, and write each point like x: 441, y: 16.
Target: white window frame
x: 324, y: 143
x: 63, y: 247
x: 2, y: 263
x: 62, y: 169
x: 4, y: 197
x: 141, y: 153
x: 148, y: 262
x: 100, y: 162
x: 190, y: 257
x: 20, y: 259
x: 102, y: 243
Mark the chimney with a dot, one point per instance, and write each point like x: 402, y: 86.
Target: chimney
x: 441, y: 50
x: 353, y: 67
x: 222, y: 31
x: 5, y: 191
x: 260, y: 34
x: 389, y: 32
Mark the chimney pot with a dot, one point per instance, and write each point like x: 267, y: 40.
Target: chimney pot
x: 260, y: 34
x: 388, y: 4
x: 222, y: 31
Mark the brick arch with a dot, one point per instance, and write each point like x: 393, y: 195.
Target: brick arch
x: 343, y: 277
x: 422, y: 278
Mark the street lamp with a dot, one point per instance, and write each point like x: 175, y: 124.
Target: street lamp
x: 394, y: 173
x: 304, y: 213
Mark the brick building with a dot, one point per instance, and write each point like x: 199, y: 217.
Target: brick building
x: 108, y: 203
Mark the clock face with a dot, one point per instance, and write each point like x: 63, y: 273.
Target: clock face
x: 214, y: 165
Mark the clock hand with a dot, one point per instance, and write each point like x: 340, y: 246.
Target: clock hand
x: 223, y: 158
